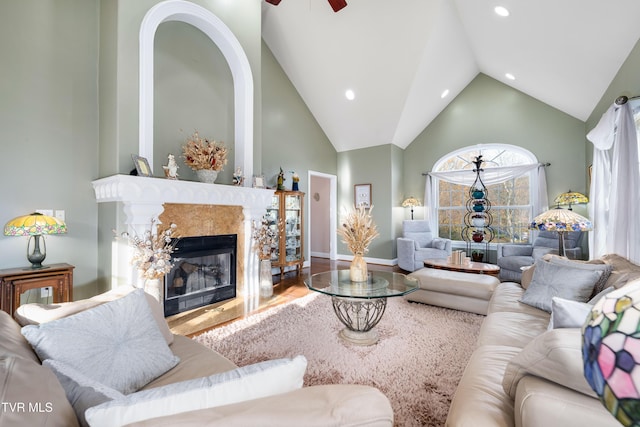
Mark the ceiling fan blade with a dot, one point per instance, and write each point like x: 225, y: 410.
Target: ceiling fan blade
x: 274, y: 2
x: 337, y: 4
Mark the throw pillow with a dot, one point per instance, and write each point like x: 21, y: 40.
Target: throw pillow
x: 82, y: 392
x: 551, y: 280
x: 527, y: 276
x: 541, y: 251
x: 245, y: 383
x: 440, y: 244
x: 34, y: 314
x: 117, y: 343
x: 568, y: 314
x: 556, y: 356
x: 605, y: 268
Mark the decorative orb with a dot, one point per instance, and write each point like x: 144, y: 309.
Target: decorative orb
x: 611, y: 352
x: 478, y: 208
x: 478, y: 236
x: 478, y: 194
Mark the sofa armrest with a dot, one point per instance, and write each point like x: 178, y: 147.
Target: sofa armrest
x: 316, y: 406
x: 514, y: 249
x: 405, y: 251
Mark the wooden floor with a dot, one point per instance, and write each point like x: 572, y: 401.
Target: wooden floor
x: 290, y: 287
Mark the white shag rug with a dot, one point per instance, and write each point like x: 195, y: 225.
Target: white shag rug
x: 417, y: 363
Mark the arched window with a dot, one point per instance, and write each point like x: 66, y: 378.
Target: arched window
x: 512, y: 198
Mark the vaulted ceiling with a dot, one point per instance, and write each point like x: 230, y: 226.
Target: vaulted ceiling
x: 400, y: 56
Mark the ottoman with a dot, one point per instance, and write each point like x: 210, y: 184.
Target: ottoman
x: 453, y: 289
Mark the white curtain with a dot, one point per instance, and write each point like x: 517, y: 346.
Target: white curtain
x: 615, y: 185
x: 490, y: 176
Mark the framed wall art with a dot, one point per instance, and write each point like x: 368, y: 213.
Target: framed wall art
x: 362, y: 195
x: 142, y: 165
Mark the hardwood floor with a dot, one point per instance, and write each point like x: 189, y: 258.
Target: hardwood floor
x: 291, y: 286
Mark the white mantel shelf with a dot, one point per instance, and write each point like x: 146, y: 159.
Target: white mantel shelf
x: 131, y: 189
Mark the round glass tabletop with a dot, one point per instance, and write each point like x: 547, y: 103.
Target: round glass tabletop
x: 381, y: 284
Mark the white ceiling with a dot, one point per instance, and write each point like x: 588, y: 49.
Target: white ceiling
x: 399, y: 56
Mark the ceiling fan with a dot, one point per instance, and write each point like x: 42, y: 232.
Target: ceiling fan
x: 335, y: 4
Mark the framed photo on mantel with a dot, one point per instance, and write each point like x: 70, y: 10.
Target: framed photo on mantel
x: 362, y: 195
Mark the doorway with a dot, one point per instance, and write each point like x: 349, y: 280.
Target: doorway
x: 322, y: 205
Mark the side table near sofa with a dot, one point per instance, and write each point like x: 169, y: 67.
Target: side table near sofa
x: 15, y: 281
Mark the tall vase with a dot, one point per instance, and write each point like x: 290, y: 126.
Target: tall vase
x: 155, y: 288
x: 207, y: 175
x: 358, y: 269
x: 266, y: 279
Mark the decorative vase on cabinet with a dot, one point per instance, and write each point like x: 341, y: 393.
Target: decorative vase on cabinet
x: 288, y: 205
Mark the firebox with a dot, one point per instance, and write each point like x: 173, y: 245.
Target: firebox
x: 203, y: 273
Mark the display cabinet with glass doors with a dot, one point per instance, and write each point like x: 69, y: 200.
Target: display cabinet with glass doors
x: 289, y: 252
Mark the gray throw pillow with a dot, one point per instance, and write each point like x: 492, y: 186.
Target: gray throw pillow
x: 440, y: 244
x: 82, y: 392
x: 605, y: 268
x: 117, y: 343
x: 551, y: 280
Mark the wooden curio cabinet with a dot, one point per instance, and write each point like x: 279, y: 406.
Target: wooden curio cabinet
x: 288, y: 205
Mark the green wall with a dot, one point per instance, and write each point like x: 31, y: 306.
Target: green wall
x: 487, y: 111
x: 49, y: 127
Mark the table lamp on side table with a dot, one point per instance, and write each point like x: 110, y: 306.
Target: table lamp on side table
x: 35, y: 225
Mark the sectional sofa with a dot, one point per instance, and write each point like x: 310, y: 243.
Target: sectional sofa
x: 199, y: 388
x: 526, y: 371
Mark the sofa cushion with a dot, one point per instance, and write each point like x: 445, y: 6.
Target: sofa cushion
x: 555, y: 355
x: 623, y: 270
x: 517, y: 250
x: 34, y: 314
x: 81, y: 391
x: 422, y: 239
x: 117, y: 343
x: 511, y: 328
x: 551, y: 280
x: 506, y: 298
x: 245, y: 383
x: 31, y: 395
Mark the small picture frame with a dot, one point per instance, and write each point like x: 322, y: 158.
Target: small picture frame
x: 142, y: 165
x: 362, y: 195
x: 258, y: 181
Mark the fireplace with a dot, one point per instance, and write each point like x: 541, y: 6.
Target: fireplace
x: 204, y: 272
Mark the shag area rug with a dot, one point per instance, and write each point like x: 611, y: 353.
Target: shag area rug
x: 417, y: 363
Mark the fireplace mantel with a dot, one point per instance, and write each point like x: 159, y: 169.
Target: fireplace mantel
x: 143, y: 199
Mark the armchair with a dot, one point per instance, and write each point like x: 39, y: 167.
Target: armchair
x: 512, y: 256
x: 417, y: 244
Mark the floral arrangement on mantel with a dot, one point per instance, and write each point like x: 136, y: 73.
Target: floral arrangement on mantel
x: 152, y: 252
x: 265, y: 237
x: 201, y: 154
x: 358, y: 231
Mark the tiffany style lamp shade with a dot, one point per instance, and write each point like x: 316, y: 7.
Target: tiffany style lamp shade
x: 611, y: 353
x: 35, y: 225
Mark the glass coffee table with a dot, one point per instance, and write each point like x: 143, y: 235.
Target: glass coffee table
x: 360, y: 305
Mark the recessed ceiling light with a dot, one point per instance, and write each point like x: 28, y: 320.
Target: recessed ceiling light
x: 510, y: 76
x: 445, y: 93
x: 350, y: 95
x: 501, y: 11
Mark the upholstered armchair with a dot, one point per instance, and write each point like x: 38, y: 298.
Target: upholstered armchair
x: 512, y: 257
x: 417, y: 244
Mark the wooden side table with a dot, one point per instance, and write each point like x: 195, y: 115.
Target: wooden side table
x: 15, y: 281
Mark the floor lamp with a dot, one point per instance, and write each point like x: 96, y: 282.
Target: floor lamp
x: 561, y: 221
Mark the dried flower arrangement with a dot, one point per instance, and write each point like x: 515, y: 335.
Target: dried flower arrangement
x: 152, y: 252
x: 265, y: 237
x: 358, y: 230
x: 200, y: 153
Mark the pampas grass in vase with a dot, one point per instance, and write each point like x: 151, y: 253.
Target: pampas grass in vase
x: 358, y: 231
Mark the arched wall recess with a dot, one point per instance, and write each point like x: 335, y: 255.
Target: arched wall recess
x: 221, y: 35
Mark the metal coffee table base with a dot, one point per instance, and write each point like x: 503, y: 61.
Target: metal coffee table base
x: 359, y: 316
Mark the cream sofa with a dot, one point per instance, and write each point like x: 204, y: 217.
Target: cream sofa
x: 522, y: 374
x: 33, y: 396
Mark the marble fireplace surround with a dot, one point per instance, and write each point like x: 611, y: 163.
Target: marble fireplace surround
x: 198, y: 209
